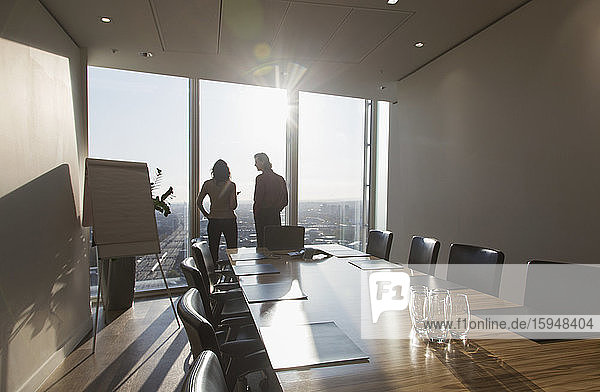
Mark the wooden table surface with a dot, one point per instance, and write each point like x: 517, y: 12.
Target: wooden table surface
x: 400, y: 361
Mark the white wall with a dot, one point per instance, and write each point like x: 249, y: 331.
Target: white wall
x: 44, y: 271
x: 496, y: 142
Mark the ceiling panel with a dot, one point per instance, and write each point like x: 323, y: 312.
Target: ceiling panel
x: 306, y: 29
x: 132, y: 27
x: 360, y: 33
x: 368, y: 4
x: 249, y: 26
x: 188, y: 25
x: 298, y: 30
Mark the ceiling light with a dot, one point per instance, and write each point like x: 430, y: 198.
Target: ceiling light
x: 105, y: 19
x: 419, y: 44
x: 392, y: 2
x: 146, y: 54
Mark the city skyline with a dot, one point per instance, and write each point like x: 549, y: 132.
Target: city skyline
x: 325, y: 222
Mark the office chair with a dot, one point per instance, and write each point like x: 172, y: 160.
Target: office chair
x: 237, y: 358
x: 562, y: 288
x: 214, y: 278
x: 218, y: 305
x: 379, y: 243
x: 205, y: 375
x: 284, y: 237
x: 423, y: 254
x: 476, y: 267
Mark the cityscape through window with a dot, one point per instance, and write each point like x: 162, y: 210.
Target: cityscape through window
x: 143, y: 117
x: 236, y: 122
x: 330, y: 169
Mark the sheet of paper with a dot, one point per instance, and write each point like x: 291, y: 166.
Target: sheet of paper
x: 374, y: 264
x: 314, y: 344
x: 254, y: 269
x: 267, y: 292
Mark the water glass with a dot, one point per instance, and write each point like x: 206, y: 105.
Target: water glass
x: 416, y: 307
x: 437, y: 315
x: 460, y: 316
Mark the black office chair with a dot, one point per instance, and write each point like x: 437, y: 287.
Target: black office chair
x: 476, y: 267
x: 284, y: 237
x: 218, y: 305
x: 423, y: 254
x: 214, y: 278
x: 205, y: 375
x: 379, y: 243
x: 237, y: 358
x: 562, y: 288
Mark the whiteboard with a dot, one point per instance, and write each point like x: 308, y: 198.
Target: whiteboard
x: 117, y: 203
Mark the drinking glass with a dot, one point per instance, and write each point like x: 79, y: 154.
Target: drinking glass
x: 437, y: 314
x: 460, y: 316
x: 416, y: 307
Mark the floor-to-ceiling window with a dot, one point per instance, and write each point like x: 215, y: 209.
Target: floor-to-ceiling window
x: 143, y: 117
x: 236, y: 122
x: 381, y: 173
x: 331, y: 143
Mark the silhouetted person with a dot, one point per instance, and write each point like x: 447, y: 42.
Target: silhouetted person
x: 223, y: 200
x: 270, y: 197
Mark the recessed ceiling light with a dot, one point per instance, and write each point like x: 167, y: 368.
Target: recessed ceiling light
x: 105, y: 19
x: 419, y: 44
x: 146, y: 54
x: 392, y: 2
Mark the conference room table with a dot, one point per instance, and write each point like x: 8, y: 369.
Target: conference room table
x: 338, y: 292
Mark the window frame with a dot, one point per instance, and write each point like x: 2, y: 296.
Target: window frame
x: 370, y: 161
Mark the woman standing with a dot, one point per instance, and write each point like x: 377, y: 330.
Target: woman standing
x: 223, y: 200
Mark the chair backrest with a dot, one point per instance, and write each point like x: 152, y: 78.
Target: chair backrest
x: 562, y: 288
x: 204, y: 262
x: 476, y: 267
x: 423, y: 254
x: 379, y: 243
x: 205, y: 375
x: 198, y: 329
x: 284, y: 237
x: 191, y: 273
x: 194, y: 279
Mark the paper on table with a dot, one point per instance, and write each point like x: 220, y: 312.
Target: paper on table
x: 311, y: 344
x: 378, y: 264
x: 266, y: 292
x: 248, y: 256
x: 254, y: 269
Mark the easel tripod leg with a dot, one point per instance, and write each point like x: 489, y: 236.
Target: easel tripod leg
x: 98, y: 297
x: 168, y: 290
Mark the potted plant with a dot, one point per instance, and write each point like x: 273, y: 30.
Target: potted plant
x: 161, y: 204
x: 118, y: 274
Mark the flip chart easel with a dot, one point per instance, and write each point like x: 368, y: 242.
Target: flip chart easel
x: 117, y: 203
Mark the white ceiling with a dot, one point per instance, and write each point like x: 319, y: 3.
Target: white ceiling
x: 346, y: 47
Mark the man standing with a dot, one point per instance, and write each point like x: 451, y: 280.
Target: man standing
x: 270, y: 197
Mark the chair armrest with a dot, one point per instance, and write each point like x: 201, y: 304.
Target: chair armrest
x: 222, y: 296
x: 236, y: 321
x: 242, y: 348
x: 226, y: 286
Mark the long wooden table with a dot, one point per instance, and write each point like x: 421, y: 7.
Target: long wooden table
x: 399, y: 360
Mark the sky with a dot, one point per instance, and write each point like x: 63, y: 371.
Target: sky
x: 144, y: 117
